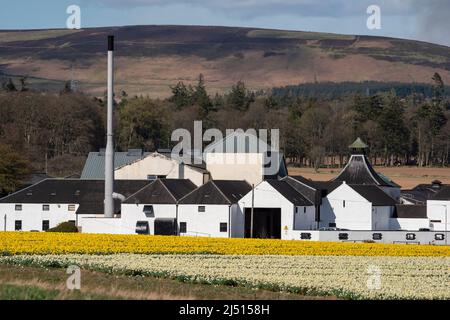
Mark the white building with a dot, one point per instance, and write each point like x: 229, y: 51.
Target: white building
x: 48, y: 203
x: 357, y: 207
x: 278, y: 208
x: 212, y: 210
x: 438, y: 208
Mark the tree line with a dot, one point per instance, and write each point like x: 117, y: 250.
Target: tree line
x: 43, y: 132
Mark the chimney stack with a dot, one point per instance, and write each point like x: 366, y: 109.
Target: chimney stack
x: 109, y: 152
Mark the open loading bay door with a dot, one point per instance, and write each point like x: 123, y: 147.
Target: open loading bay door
x: 266, y: 223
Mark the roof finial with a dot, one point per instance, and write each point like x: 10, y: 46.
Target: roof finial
x: 358, y: 146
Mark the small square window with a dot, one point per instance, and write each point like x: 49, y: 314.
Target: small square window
x: 18, y: 225
x: 18, y: 207
x: 45, y: 225
x: 223, y: 227
x: 71, y: 207
x: 148, y: 210
x: 183, y: 227
x: 45, y: 207
x: 201, y: 209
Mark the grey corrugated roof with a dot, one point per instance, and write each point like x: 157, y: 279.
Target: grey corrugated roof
x: 94, y: 167
x: 89, y: 194
x: 374, y: 194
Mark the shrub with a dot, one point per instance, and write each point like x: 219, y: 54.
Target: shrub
x: 64, y: 227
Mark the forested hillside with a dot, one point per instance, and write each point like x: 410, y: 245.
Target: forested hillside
x: 44, y: 132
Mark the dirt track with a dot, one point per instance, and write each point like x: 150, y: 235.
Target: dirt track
x: 407, y: 177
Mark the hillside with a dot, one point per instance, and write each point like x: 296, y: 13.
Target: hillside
x: 150, y: 58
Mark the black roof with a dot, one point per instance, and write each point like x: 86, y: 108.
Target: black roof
x: 291, y: 194
x: 162, y: 191
x: 359, y: 171
x: 423, y: 192
x: 89, y: 194
x: 374, y: 194
x: 443, y: 194
x: 305, y: 187
x: 327, y: 186
x: 217, y: 192
x: 410, y: 211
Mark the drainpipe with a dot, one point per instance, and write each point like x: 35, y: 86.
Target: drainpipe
x: 229, y: 221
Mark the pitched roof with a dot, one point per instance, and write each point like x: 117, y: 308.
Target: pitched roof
x: 359, y: 171
x: 410, y: 211
x: 305, y: 187
x: 291, y: 194
x: 89, y: 194
x: 217, y: 192
x: 94, y: 167
x: 423, y: 192
x: 162, y: 191
x: 374, y: 194
x: 443, y: 194
x: 358, y: 144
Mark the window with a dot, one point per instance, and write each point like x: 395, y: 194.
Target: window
x: 223, y: 227
x: 148, y: 210
x: 304, y: 209
x: 183, y: 227
x: 377, y: 236
x: 18, y: 225
x: 45, y: 207
x: 45, y: 225
x: 410, y: 236
x: 73, y: 222
x: 439, y: 236
x: 18, y: 207
x: 305, y: 236
x: 71, y: 207
x: 142, y: 227
x: 201, y: 209
x: 343, y: 203
x: 343, y: 236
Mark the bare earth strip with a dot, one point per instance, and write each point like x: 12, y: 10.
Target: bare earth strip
x: 406, y: 177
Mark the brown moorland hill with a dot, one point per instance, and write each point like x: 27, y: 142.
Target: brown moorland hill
x: 151, y: 58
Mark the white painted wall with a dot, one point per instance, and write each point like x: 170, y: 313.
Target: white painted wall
x: 103, y: 225
x: 355, y: 215
x: 132, y: 213
x: 265, y: 196
x: 32, y: 215
x: 381, y: 216
x: 304, y: 218
x: 245, y: 166
x: 159, y: 165
x: 422, y: 237
x: 205, y: 224
x: 408, y: 224
x: 439, y: 210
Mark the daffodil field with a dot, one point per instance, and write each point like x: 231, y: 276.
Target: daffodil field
x: 62, y: 243
x: 346, y: 270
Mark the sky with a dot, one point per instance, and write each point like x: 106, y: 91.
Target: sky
x: 425, y: 20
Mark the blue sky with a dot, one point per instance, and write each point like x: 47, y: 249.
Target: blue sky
x: 427, y: 20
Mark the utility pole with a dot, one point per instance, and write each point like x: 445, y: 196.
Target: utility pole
x: 251, y: 213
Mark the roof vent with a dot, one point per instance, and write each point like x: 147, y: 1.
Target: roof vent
x: 77, y: 193
x: 436, y: 184
x: 29, y: 193
x: 53, y: 194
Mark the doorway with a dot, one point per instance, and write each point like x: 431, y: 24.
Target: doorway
x: 266, y: 223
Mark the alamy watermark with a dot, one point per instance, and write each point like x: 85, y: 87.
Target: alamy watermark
x: 374, y: 20
x: 74, y: 20
x: 374, y: 277
x: 74, y: 280
x: 236, y: 147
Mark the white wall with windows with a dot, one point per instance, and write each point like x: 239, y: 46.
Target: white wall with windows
x: 35, y: 216
x: 438, y: 213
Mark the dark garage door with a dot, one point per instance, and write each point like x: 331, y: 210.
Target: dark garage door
x: 266, y: 223
x: 165, y: 227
